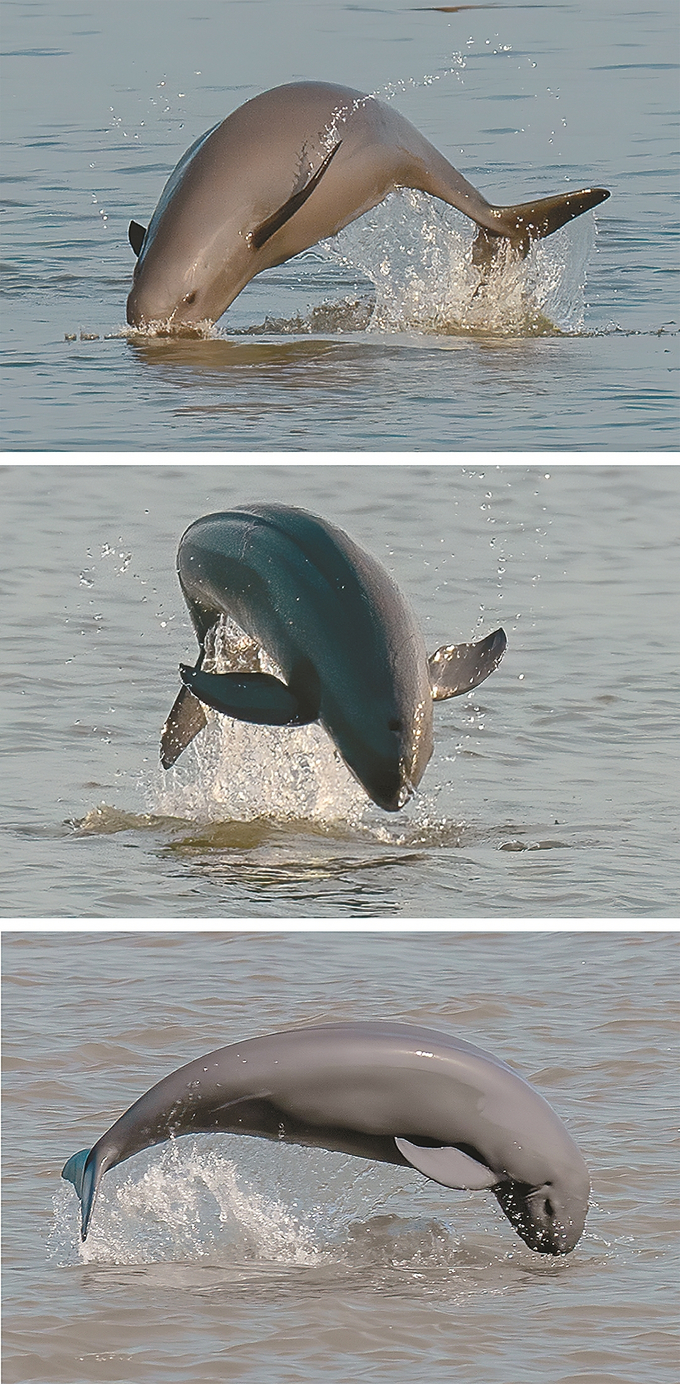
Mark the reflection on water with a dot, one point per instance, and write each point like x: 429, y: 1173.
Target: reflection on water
x: 287, y: 369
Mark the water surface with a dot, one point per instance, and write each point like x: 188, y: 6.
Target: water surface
x: 553, y: 788
x: 373, y: 342
x: 225, y: 1258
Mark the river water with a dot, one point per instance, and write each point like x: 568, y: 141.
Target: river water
x: 219, y: 1258
x: 553, y: 790
x: 373, y: 341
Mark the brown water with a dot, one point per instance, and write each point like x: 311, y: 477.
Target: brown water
x: 225, y: 1258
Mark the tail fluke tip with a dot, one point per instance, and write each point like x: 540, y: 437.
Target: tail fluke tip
x: 77, y: 1171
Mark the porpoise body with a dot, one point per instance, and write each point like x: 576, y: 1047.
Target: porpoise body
x: 393, y: 1092
x: 331, y: 618
x: 286, y: 170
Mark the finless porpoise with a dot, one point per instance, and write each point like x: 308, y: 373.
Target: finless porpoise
x: 349, y: 648
x: 286, y: 170
x: 393, y: 1092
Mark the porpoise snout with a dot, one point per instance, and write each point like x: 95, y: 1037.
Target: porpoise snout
x: 144, y: 316
x: 550, y: 1219
x: 385, y: 753
x: 133, y: 310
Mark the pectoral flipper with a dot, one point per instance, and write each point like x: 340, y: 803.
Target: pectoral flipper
x: 186, y: 719
x: 457, y: 668
x: 448, y: 1166
x: 257, y: 697
x: 262, y: 233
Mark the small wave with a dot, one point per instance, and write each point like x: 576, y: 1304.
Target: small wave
x: 349, y: 314
x: 399, y: 1241
x: 165, y: 331
x: 105, y: 820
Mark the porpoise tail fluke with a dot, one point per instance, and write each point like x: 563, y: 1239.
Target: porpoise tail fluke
x: 83, y: 1174
x: 530, y: 221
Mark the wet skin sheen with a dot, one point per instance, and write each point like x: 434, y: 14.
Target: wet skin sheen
x: 332, y: 619
x: 286, y: 170
x: 388, y: 1091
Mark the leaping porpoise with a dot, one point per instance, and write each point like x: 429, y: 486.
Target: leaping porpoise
x: 388, y: 1091
x: 339, y: 629
x: 286, y: 170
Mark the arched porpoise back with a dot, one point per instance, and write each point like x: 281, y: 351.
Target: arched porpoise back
x: 289, y: 168
x: 350, y: 652
x: 389, y: 1091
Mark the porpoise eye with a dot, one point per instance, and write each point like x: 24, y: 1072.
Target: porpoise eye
x: 548, y: 1207
x: 190, y: 298
x: 394, y: 725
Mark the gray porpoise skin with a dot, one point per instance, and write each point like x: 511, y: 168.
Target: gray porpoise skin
x: 286, y: 170
x: 388, y: 1091
x: 336, y: 624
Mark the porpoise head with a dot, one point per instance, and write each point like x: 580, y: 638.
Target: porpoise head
x: 193, y: 260
x: 387, y: 741
x: 550, y: 1218
x: 180, y: 283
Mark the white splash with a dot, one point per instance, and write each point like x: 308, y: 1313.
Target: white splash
x: 239, y: 771
x: 187, y: 1204
x: 191, y: 1204
x: 418, y: 255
